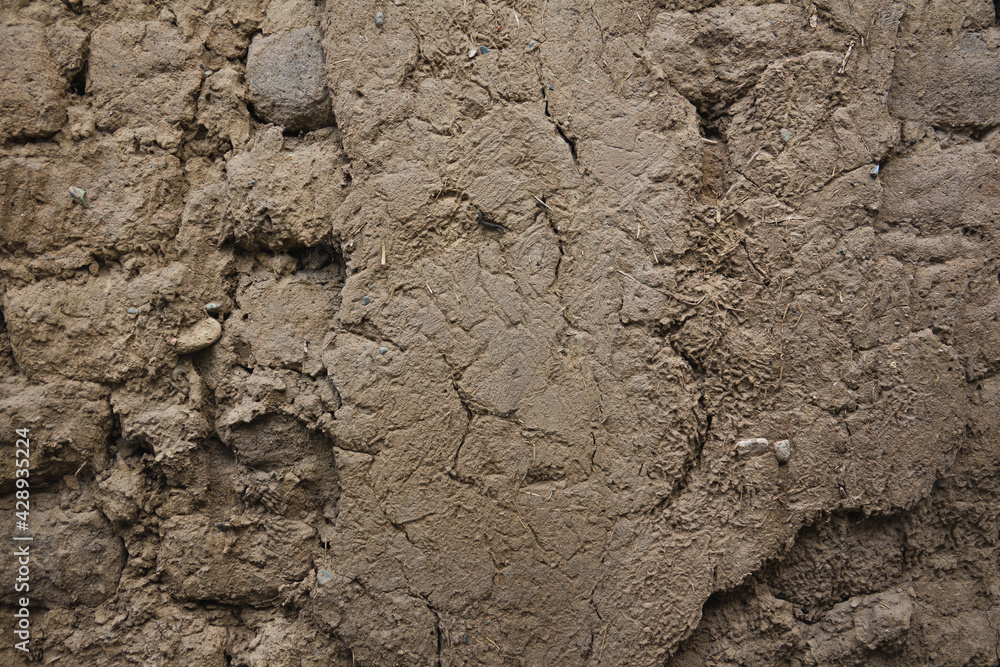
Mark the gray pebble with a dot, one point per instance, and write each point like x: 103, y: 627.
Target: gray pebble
x: 752, y: 447
x: 365, y: 300
x: 211, y: 307
x: 786, y: 136
x: 379, y: 19
x: 782, y: 451
x: 133, y: 311
x: 383, y: 350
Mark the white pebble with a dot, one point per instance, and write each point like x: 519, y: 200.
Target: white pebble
x: 198, y: 336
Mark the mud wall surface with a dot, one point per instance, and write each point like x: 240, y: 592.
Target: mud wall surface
x: 292, y: 403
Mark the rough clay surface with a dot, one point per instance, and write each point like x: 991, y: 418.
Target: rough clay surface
x: 420, y: 441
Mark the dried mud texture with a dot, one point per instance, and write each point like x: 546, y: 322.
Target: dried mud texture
x: 291, y: 404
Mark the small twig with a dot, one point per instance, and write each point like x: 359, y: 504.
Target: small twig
x: 763, y: 275
x: 492, y: 642
x: 542, y: 203
x: 604, y: 638
x: 843, y: 65
x: 360, y: 227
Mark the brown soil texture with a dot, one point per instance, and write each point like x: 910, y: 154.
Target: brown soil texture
x: 292, y: 404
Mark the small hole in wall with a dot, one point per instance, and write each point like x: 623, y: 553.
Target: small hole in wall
x: 78, y: 84
x: 317, y: 257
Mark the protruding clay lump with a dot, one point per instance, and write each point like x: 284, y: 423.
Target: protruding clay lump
x: 286, y: 79
x: 752, y: 447
x: 782, y: 451
x: 198, y: 336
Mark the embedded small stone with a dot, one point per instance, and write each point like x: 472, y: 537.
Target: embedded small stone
x: 365, y: 300
x: 752, y: 447
x: 782, y: 451
x: 324, y: 576
x: 786, y: 136
x: 532, y: 44
x: 212, y: 307
x: 79, y: 195
x: 133, y: 311
x: 483, y: 50
x: 198, y: 336
x: 383, y: 350
x: 379, y: 19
